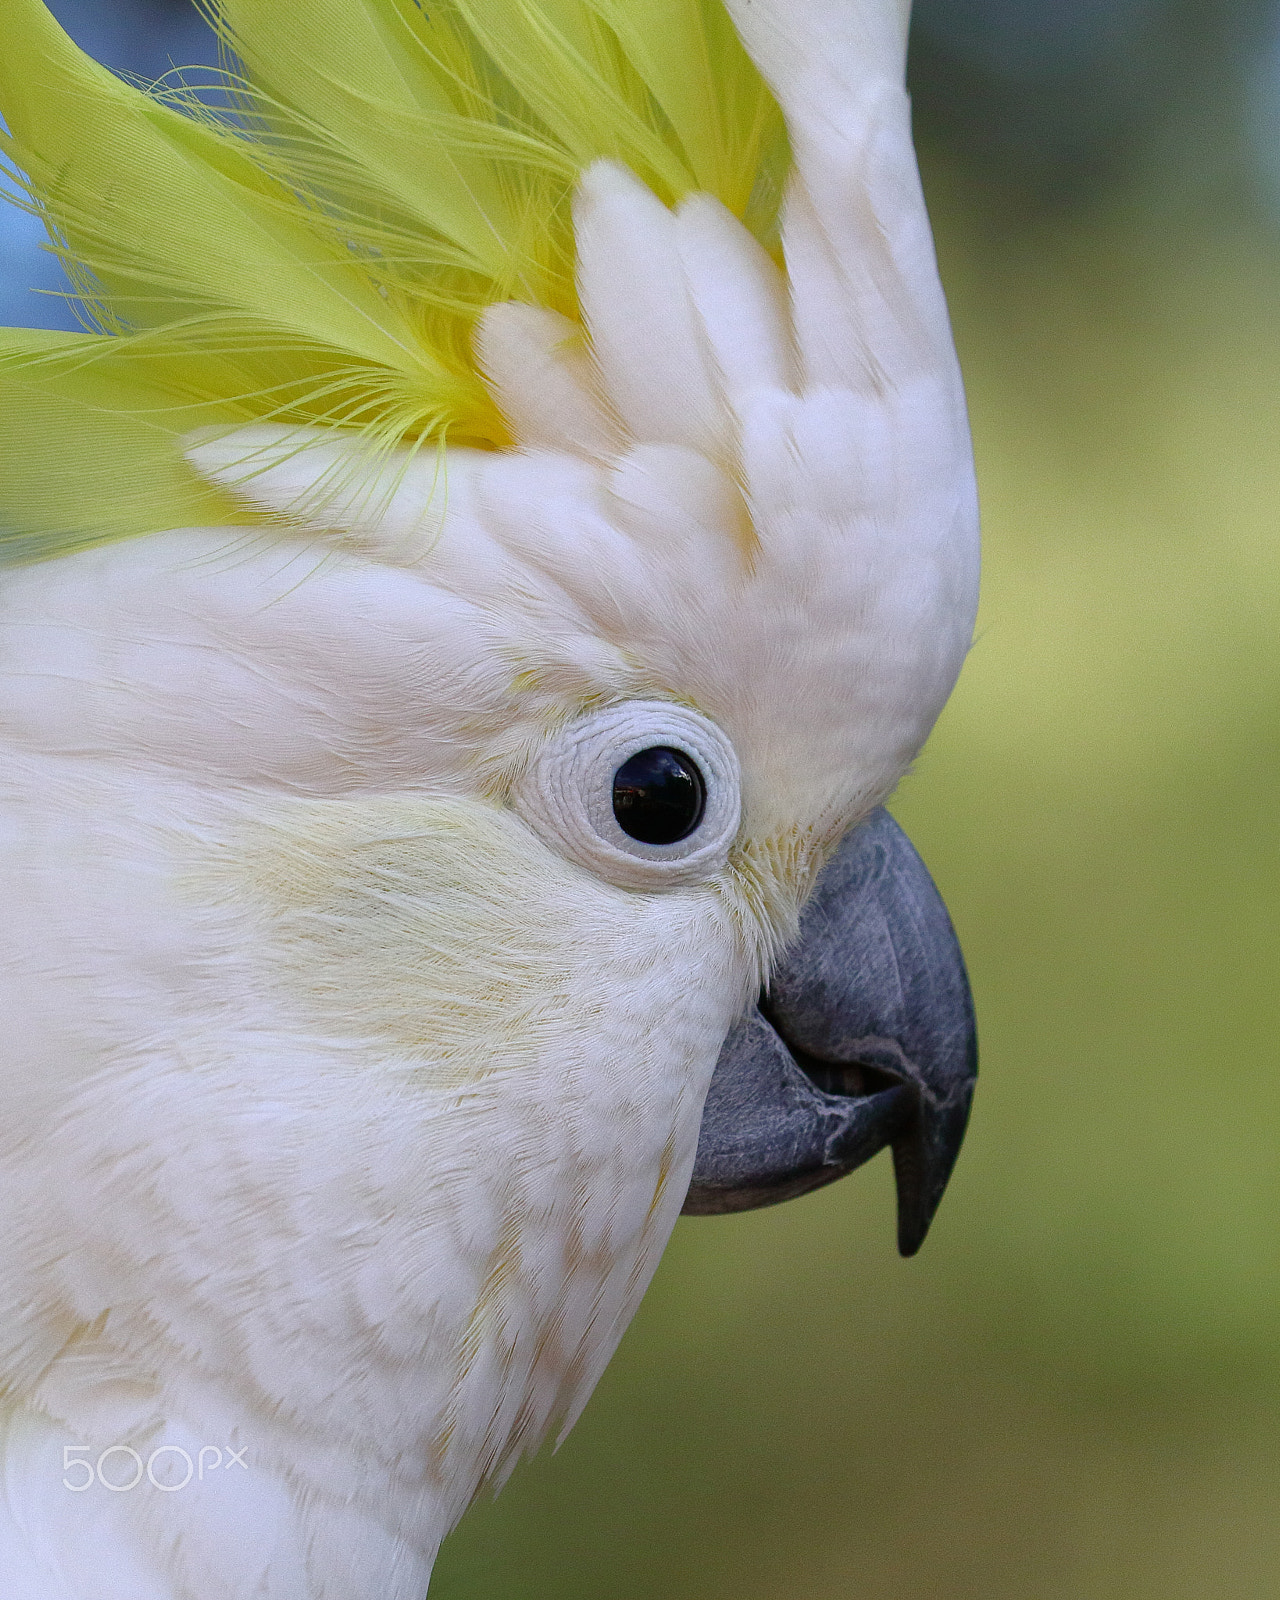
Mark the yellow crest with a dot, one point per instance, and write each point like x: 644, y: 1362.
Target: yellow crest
x: 314, y: 242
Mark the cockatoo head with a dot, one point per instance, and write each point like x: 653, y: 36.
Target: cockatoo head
x: 701, y: 570
x: 418, y: 852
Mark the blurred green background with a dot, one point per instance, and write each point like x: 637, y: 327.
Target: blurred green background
x: 1073, y: 1392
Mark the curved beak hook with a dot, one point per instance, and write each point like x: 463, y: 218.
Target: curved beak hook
x: 865, y: 1039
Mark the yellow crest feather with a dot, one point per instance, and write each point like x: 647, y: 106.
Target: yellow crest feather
x: 320, y: 252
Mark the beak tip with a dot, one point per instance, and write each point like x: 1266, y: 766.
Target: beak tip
x: 924, y: 1157
x: 914, y: 1221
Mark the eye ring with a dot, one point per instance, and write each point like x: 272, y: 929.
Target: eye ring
x: 569, y: 794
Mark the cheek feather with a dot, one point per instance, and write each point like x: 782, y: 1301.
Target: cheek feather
x: 431, y: 927
x: 443, y: 930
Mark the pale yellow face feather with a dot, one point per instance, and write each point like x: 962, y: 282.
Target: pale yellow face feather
x: 440, y: 930
x: 399, y: 920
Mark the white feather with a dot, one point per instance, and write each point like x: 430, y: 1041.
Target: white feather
x: 644, y: 335
x: 283, y: 1039
x: 868, y: 306
x: 542, y: 378
x: 741, y: 299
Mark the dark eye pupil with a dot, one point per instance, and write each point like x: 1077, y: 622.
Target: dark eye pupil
x: 658, y: 796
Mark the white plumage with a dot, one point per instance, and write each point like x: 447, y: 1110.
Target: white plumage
x: 347, y: 1106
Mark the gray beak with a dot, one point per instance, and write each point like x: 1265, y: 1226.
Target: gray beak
x: 865, y: 1039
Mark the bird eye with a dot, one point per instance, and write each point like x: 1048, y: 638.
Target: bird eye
x: 646, y: 794
x: 659, y: 795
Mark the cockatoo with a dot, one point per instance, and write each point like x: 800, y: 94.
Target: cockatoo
x: 471, y: 592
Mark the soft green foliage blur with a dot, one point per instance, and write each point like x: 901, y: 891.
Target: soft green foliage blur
x: 1073, y: 1392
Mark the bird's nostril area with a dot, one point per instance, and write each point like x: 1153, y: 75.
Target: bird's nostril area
x: 852, y: 1079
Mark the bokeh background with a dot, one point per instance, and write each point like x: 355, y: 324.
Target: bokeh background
x: 1072, y: 1393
